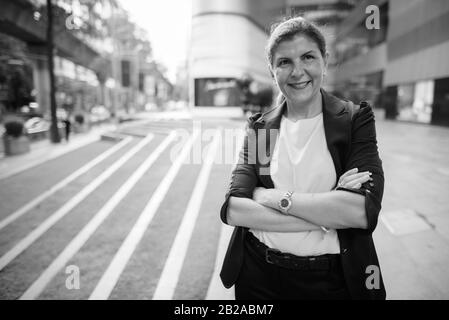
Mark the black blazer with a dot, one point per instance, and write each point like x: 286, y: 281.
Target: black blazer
x: 352, y: 144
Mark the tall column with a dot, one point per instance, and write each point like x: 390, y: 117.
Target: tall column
x: 41, y: 78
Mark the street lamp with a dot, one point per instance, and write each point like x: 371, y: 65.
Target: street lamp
x: 54, y: 132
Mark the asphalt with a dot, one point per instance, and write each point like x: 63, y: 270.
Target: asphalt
x: 412, y: 236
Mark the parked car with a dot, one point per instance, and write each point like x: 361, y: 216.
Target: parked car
x: 99, y: 114
x: 37, y: 127
x: 36, y: 124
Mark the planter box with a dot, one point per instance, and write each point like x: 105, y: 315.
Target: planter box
x: 14, y: 146
x: 79, y: 128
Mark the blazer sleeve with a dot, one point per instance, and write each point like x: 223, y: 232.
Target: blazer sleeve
x: 244, y: 178
x: 364, y: 155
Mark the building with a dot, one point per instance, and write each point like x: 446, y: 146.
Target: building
x: 402, y: 66
x: 228, y: 41
x: 101, y: 59
x: 23, y: 51
x: 392, y: 53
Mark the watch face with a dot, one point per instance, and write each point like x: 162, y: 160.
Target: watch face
x: 284, y: 203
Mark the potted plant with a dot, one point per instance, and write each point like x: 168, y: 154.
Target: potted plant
x: 79, y: 125
x: 15, y: 140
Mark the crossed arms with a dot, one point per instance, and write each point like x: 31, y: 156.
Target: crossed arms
x: 354, y: 204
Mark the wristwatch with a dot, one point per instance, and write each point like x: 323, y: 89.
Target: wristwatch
x: 286, y: 202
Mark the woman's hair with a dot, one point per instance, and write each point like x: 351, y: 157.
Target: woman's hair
x: 288, y: 29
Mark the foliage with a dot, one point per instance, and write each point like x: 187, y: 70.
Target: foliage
x: 79, y: 118
x: 14, y: 127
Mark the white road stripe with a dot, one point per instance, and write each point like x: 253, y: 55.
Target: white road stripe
x: 33, y: 203
x: 216, y: 290
x: 121, y: 258
x: 238, y: 146
x: 387, y: 224
x: 170, y: 274
x: 61, y: 212
x: 75, y: 245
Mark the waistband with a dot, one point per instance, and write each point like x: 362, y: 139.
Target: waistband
x: 291, y: 261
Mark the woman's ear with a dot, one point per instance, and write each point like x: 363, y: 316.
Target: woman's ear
x: 326, y: 61
x: 271, y: 71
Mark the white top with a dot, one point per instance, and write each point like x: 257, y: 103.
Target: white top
x: 302, y: 163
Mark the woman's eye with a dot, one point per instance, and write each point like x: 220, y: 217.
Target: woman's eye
x: 309, y: 57
x: 282, y: 62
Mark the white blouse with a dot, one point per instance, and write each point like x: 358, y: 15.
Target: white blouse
x: 302, y: 163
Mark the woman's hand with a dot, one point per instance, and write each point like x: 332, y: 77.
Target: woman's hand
x: 259, y: 195
x: 352, y: 179
x: 268, y: 197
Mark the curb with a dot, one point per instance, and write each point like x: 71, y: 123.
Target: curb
x: 10, y: 166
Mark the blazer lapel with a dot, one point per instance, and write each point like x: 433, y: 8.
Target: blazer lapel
x: 337, y: 123
x: 267, y: 128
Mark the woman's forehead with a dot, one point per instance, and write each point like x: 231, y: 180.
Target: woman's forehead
x: 299, y: 44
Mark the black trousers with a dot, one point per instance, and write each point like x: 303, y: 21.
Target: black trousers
x: 261, y: 280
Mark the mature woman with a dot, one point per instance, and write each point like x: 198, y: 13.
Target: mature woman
x: 299, y: 234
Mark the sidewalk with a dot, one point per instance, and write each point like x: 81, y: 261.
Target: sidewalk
x: 42, y: 151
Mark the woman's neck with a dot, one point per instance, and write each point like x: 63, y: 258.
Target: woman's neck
x: 295, y: 111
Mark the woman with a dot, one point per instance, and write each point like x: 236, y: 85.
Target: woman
x: 299, y: 234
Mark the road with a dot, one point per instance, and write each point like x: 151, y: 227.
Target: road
x: 136, y: 216
x: 119, y: 206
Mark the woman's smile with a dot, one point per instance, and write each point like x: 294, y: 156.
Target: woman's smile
x: 300, y: 85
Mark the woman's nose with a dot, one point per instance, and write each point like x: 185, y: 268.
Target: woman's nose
x: 298, y: 69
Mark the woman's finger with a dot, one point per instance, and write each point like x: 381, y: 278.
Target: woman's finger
x: 357, y: 183
x: 349, y: 172
x: 348, y: 179
x: 357, y: 176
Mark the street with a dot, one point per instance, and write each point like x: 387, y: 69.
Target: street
x: 57, y: 225
x: 137, y: 213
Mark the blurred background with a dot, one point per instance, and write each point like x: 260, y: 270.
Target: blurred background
x: 211, y: 53
x: 105, y: 72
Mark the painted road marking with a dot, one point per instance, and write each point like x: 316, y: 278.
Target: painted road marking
x: 402, y: 222
x: 75, y: 245
x: 443, y: 170
x: 33, y: 203
x: 61, y: 212
x: 216, y: 290
x: 170, y: 274
x: 121, y: 258
x: 55, y: 151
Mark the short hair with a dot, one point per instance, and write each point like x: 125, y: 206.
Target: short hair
x: 288, y: 29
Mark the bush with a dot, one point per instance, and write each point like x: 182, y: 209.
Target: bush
x: 79, y: 118
x: 14, y: 127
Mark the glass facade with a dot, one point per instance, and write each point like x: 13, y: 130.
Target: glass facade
x: 440, y: 110
x: 361, y: 39
x: 424, y: 101
x: 415, y: 101
x: 217, y: 92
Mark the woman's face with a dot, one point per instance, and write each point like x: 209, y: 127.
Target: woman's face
x: 298, y: 68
